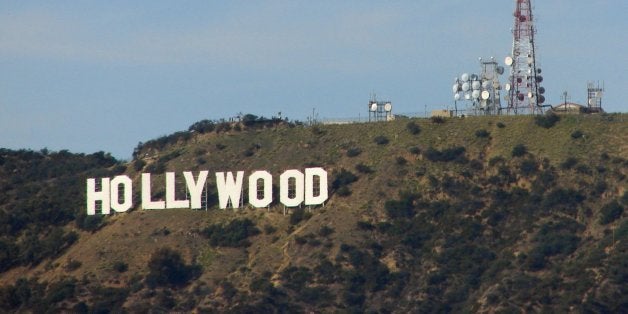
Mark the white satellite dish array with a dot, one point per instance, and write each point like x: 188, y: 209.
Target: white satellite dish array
x: 482, y: 91
x: 380, y: 111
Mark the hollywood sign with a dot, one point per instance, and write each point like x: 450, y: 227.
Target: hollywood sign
x: 295, y: 188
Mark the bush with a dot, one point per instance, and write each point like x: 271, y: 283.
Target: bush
x: 401, y: 161
x: 529, y: 167
x: 362, y: 168
x: 203, y: 126
x: 353, y: 152
x: 519, y: 150
x: 481, y: 133
x: 611, y: 212
x: 414, y: 150
x: 343, y: 178
x: 413, y: 128
x: 120, y: 266
x: 402, y: 208
x: 501, y: 125
x: 343, y: 191
x: 547, y: 121
x: 325, y: 231
x: 446, y: 155
x: 438, y: 120
x: 381, y: 140
x: 298, y: 215
x: 139, y: 164
x: 167, y: 268
x: 569, y: 163
x: 577, y: 134
x: 234, y: 234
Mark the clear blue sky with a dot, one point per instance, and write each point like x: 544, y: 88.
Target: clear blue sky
x: 105, y: 75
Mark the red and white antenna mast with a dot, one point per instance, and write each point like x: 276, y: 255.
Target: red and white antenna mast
x: 525, y: 94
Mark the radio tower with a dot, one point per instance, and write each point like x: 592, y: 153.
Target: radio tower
x: 525, y: 95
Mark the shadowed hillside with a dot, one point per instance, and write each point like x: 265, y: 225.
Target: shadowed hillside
x: 483, y: 214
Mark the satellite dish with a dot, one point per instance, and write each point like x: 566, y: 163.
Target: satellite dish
x: 486, y: 84
x: 507, y: 86
x: 456, y: 88
x: 475, y: 94
x: 476, y: 85
x: 520, y: 96
x: 539, y: 78
x: 374, y: 107
x: 388, y: 107
x: 500, y: 70
x: 466, y: 86
x: 538, y: 71
x: 486, y: 95
x: 496, y: 85
x: 457, y: 96
x: 509, y: 61
x: 541, y: 99
x: 467, y: 96
x: 530, y: 95
x: 541, y: 90
x: 464, y: 77
x: 530, y: 60
x: 592, y: 102
x: 474, y: 77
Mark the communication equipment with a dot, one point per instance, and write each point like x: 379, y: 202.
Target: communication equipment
x: 525, y: 75
x: 465, y: 86
x: 485, y: 95
x: 509, y: 61
x: 388, y: 107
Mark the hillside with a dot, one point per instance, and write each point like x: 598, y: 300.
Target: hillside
x: 482, y: 214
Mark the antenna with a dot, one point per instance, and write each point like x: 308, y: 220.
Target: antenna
x: 525, y: 77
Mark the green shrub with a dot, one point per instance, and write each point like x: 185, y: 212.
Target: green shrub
x: 519, y: 150
x: 233, y: 234
x: 362, y: 168
x: 547, y: 121
x: 400, y: 161
x: 269, y: 229
x: 569, y: 163
x: 343, y: 178
x: 139, y: 164
x: 381, y: 140
x: 298, y: 215
x: 343, y: 191
x: 325, y: 231
x: 167, y: 268
x: 611, y: 212
x: 353, y: 152
x: 577, y: 134
x: 482, y: 133
x: 413, y: 128
x: 501, y: 125
x: 414, y: 150
x: 446, y: 155
x: 437, y: 120
x: 120, y: 266
x: 529, y: 167
x: 203, y: 126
